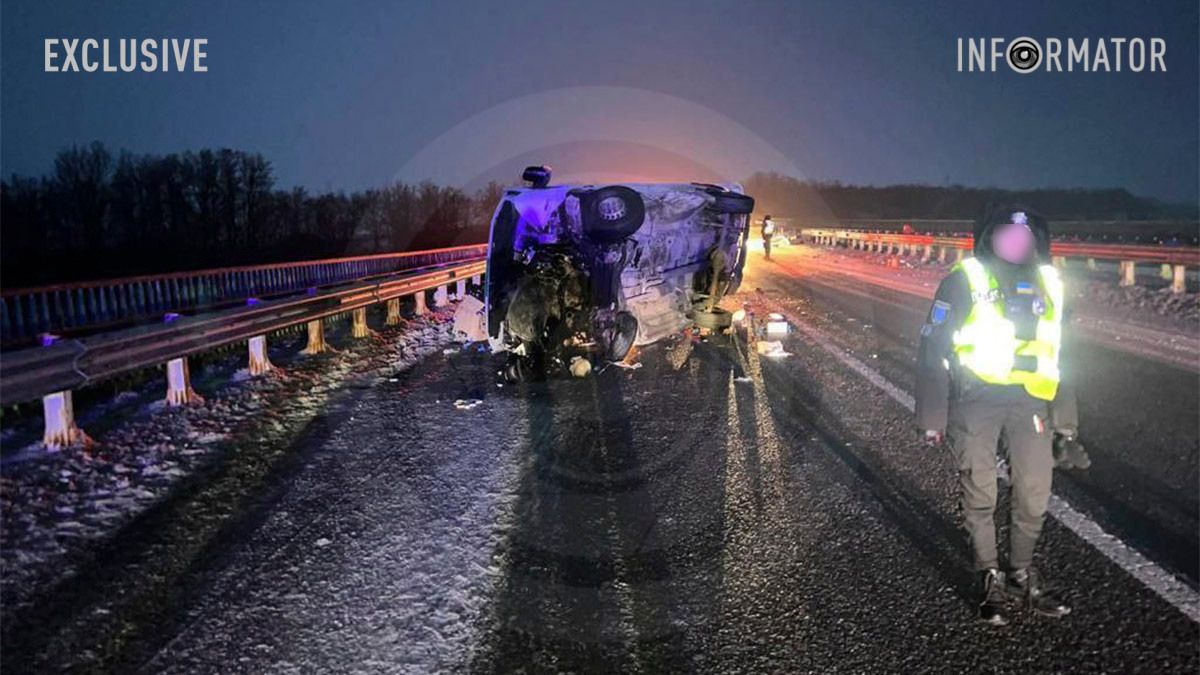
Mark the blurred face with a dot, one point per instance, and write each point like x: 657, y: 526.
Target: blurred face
x: 1013, y: 243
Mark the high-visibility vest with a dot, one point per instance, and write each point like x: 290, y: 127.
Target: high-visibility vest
x: 987, y: 342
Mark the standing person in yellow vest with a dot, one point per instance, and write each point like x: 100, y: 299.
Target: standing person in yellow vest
x: 989, y: 366
x: 768, y: 231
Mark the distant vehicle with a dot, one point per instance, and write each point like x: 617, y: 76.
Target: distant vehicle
x: 585, y: 270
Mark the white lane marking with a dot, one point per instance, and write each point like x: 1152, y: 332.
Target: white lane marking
x: 1166, y: 585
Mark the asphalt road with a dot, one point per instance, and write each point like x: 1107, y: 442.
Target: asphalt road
x: 738, y: 514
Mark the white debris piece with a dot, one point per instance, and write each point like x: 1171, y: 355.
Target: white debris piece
x: 466, y: 403
x: 468, y: 320
x: 580, y: 367
x: 772, y: 349
x: 777, y: 325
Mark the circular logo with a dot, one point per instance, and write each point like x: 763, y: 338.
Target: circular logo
x: 1024, y: 55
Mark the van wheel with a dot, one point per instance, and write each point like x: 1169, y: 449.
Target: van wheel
x: 624, y: 333
x: 610, y: 214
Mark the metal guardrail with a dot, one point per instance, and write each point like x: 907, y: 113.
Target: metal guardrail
x: 1094, y: 231
x: 1171, y: 255
x: 28, y: 374
x: 92, y: 305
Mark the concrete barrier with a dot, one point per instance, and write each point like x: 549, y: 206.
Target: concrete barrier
x: 316, y: 339
x: 179, y: 384
x: 1128, y: 273
x: 60, y: 429
x: 358, y: 324
x: 259, y: 363
x: 393, y: 312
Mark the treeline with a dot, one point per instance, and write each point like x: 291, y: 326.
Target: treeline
x: 98, y: 215
x: 785, y: 196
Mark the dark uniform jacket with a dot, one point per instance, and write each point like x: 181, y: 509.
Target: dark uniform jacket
x: 941, y: 381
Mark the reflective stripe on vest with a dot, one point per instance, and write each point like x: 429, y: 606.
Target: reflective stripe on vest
x: 987, y: 342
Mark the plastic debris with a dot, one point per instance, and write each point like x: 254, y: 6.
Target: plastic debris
x: 466, y: 403
x: 580, y: 367
x: 469, y: 320
x: 772, y: 348
x: 777, y: 325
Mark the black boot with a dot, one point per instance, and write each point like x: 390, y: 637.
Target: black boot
x: 1026, y: 584
x: 991, y: 608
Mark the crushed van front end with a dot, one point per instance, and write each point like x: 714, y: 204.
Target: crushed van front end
x: 590, y: 271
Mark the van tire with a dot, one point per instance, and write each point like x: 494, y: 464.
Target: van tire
x: 601, y: 223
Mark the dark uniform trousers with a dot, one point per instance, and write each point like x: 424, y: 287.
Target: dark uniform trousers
x: 974, y: 428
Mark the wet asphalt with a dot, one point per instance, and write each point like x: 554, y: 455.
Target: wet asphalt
x: 737, y: 514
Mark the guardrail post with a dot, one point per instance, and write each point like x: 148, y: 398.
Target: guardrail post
x: 460, y: 288
x: 393, y: 312
x: 179, y: 384
x: 260, y: 364
x: 928, y: 253
x: 1179, y: 279
x: 1091, y: 263
x: 441, y: 297
x: 421, y: 308
x: 959, y: 254
x: 942, y: 254
x: 1128, y: 272
x: 61, y: 431
x: 358, y: 323
x: 1059, y: 261
x: 476, y: 280
x: 316, y: 339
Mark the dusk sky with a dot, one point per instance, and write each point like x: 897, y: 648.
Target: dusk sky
x: 349, y: 95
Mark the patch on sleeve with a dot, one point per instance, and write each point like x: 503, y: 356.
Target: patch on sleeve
x: 940, y: 312
x: 927, y: 330
x: 1024, y: 288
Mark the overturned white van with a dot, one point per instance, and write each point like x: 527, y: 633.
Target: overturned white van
x: 593, y: 270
